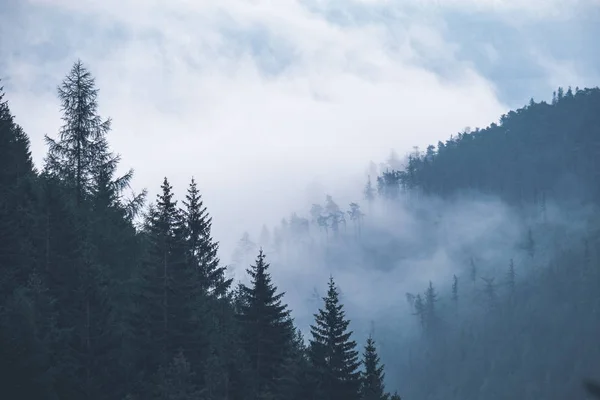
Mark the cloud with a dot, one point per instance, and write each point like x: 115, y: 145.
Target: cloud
x: 256, y: 99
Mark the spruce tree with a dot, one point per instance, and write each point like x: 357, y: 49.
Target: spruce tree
x: 455, y: 291
x: 81, y: 148
x: 202, y: 250
x: 81, y: 281
x: 203, y: 289
x: 356, y: 216
x: 372, y: 385
x: 162, y: 271
x: 332, y: 352
x: 429, y: 308
x: 420, y: 311
x: 267, y: 327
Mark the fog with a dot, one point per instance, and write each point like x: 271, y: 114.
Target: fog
x: 271, y: 106
x: 261, y: 100
x: 403, y: 245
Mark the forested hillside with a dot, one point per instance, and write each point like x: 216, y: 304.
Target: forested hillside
x: 477, y: 262
x: 472, y: 273
x: 93, y: 306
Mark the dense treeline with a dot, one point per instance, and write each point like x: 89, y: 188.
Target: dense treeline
x: 94, y: 307
x: 537, y: 152
x: 521, y: 324
x: 529, y: 329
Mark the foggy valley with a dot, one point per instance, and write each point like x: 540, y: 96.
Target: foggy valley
x: 366, y: 200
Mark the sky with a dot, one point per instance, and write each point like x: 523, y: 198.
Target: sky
x: 271, y: 103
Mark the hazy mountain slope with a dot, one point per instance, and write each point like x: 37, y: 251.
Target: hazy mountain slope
x: 523, y: 191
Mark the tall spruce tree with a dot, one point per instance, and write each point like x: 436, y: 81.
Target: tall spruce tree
x: 372, y: 385
x: 81, y: 280
x: 202, y: 250
x: 81, y: 148
x: 267, y: 326
x: 163, y: 270
x: 332, y: 352
x: 205, y: 330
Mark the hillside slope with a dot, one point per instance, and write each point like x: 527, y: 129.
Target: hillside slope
x: 504, y: 223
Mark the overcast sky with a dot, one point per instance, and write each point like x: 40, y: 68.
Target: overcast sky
x: 257, y: 99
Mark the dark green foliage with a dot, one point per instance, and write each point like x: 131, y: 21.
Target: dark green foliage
x: 17, y: 203
x: 176, y: 382
x: 201, y: 250
x: 372, y: 379
x: 82, y: 146
x: 528, y: 332
x: 163, y: 274
x: 332, y: 352
x: 30, y: 356
x: 530, y: 154
x: 93, y: 307
x: 267, y: 328
x: 294, y: 382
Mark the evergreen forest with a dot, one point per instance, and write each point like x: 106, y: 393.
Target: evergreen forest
x: 483, y: 252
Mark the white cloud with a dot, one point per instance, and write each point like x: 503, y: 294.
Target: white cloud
x: 254, y: 98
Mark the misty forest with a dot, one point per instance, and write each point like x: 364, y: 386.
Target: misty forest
x: 481, y: 254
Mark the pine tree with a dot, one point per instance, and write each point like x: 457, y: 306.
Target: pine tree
x: 163, y: 270
x: 332, y: 352
x: 420, y: 311
x: 202, y: 250
x: 356, y: 216
x: 372, y: 379
x: 431, y: 318
x: 333, y: 214
x: 82, y: 147
x: 79, y: 163
x: 267, y: 326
